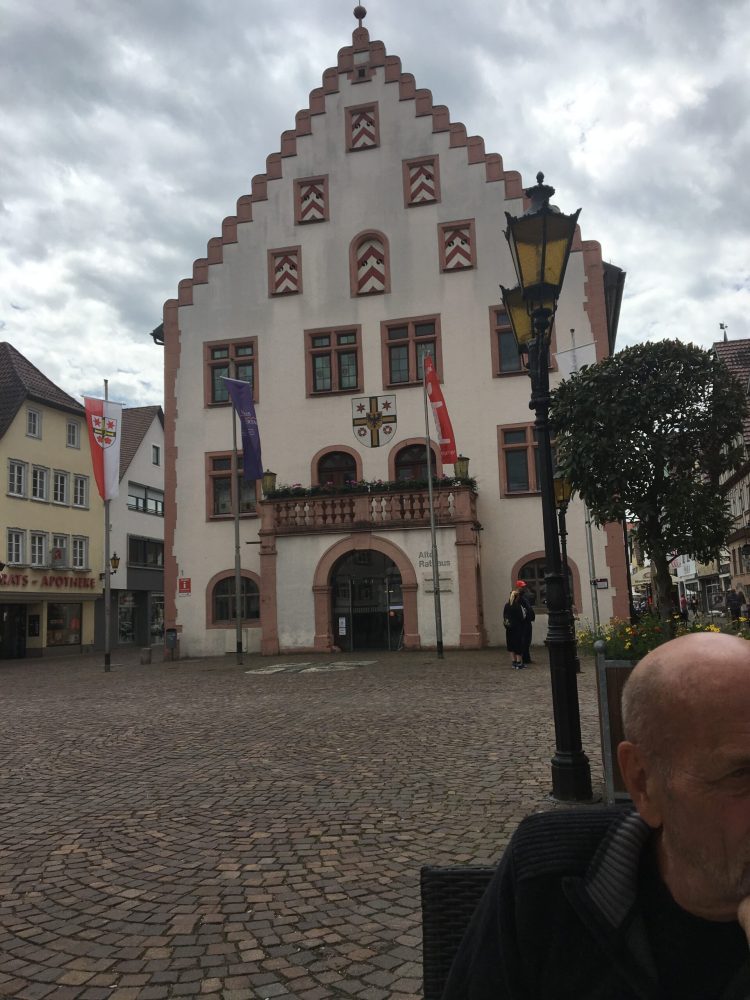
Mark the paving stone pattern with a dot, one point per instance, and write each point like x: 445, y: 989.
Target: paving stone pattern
x: 191, y: 830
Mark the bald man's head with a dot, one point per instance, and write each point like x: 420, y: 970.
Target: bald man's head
x: 666, y: 691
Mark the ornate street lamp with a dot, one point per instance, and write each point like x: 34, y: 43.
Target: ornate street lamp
x: 540, y: 242
x: 563, y: 493
x: 268, y: 483
x: 461, y: 467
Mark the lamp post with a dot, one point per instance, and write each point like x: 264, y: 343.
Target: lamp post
x: 563, y: 493
x: 540, y: 242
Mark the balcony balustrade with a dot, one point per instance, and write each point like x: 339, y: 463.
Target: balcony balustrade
x: 374, y: 511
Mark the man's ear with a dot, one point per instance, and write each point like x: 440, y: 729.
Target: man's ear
x: 641, y: 781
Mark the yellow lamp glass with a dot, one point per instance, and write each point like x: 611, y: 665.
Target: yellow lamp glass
x: 563, y: 491
x: 269, y: 482
x: 461, y: 467
x: 518, y: 314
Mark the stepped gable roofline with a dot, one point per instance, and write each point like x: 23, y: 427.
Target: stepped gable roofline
x: 136, y: 421
x: 20, y: 380
x: 408, y: 91
x: 735, y: 354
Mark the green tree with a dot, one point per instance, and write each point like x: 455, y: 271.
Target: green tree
x: 652, y: 432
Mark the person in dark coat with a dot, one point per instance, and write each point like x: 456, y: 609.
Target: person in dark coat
x: 514, y: 618
x: 607, y: 904
x: 527, y: 626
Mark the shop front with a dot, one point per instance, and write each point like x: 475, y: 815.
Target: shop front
x: 43, y: 614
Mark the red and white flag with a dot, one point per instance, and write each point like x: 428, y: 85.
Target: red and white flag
x: 445, y: 435
x: 104, y: 421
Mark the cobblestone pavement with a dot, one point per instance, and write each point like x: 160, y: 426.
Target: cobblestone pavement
x: 190, y: 829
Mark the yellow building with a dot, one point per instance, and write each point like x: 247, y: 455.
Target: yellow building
x: 51, y: 516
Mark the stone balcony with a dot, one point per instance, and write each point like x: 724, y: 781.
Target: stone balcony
x: 374, y: 511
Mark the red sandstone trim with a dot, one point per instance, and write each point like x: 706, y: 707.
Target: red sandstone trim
x: 277, y: 254
x: 539, y: 554
x: 406, y: 443
x: 615, y: 557
x: 224, y: 574
x: 324, y: 639
x: 444, y: 229
x: 354, y: 246
x: 406, y: 173
x: 315, y: 479
x: 171, y: 367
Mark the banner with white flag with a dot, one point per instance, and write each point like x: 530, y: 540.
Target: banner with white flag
x: 575, y: 358
x: 104, y: 422
x: 446, y: 438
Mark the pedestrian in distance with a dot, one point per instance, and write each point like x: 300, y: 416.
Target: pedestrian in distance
x: 734, y: 606
x: 513, y: 620
x: 694, y: 607
x: 529, y: 616
x: 683, y: 608
x: 636, y: 904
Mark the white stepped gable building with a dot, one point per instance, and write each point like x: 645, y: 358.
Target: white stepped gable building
x: 374, y: 237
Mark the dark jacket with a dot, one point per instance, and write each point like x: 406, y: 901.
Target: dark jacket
x: 514, y: 621
x: 559, y: 919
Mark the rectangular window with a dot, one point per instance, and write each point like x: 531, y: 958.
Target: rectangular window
x: 38, y: 548
x: 39, y: 483
x: 362, y: 127
x: 59, y: 554
x: 220, y: 496
x: 145, y: 499
x: 229, y: 359
x: 421, y: 180
x: 80, y: 491
x: 405, y: 345
x: 73, y: 434
x: 505, y: 356
x: 80, y: 552
x: 17, y: 478
x: 155, y: 454
x: 334, y: 360
x: 145, y: 552
x: 15, y: 547
x: 519, y: 460
x: 33, y: 424
x: 60, y: 487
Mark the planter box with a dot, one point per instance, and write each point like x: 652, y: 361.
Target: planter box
x: 610, y: 680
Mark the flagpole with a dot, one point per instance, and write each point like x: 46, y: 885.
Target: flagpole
x: 435, y: 568
x: 107, y: 590
x: 587, y: 526
x: 235, y: 493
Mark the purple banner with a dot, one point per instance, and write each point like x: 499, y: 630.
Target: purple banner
x: 241, y: 394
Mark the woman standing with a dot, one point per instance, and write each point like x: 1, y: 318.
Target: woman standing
x: 513, y: 619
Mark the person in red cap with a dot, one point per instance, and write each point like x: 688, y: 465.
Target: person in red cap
x: 513, y: 620
x: 529, y: 617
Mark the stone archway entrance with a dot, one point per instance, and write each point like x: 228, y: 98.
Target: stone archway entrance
x: 367, y: 602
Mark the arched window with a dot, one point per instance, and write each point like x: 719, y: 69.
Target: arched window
x: 369, y: 264
x: 411, y: 462
x: 223, y: 608
x: 336, y: 468
x: 532, y: 574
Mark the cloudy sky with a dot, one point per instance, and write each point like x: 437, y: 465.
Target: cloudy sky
x: 129, y: 128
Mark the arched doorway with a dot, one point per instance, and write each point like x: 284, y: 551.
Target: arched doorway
x: 366, y: 602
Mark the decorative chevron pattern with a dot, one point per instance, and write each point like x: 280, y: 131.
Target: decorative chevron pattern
x: 312, y: 201
x: 422, y: 186
x: 286, y: 273
x: 364, y: 132
x: 457, y: 248
x: 371, y: 277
